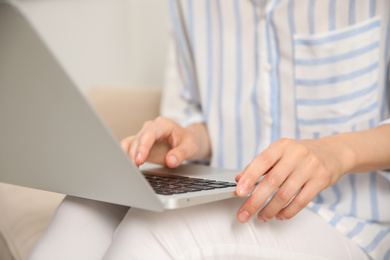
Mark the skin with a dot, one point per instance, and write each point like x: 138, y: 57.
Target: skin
x: 290, y: 167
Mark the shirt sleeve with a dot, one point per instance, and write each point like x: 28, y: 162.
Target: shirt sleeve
x: 180, y: 100
x: 384, y: 122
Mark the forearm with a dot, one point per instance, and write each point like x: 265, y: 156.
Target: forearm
x: 363, y: 150
x: 202, y: 139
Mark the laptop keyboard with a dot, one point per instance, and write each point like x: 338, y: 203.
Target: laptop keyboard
x: 172, y: 184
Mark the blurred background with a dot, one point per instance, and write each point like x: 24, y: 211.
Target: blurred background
x: 118, y: 43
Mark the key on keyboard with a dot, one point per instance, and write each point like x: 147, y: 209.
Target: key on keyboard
x: 172, y: 184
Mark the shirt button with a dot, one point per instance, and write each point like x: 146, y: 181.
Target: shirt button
x: 267, y: 67
x: 269, y: 121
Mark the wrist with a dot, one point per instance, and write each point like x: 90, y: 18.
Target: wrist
x: 343, y: 152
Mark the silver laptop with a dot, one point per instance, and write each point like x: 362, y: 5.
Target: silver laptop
x: 52, y: 139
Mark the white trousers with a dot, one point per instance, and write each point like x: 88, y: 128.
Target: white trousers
x: 84, y: 229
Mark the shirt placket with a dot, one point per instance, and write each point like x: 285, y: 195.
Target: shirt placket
x: 266, y: 93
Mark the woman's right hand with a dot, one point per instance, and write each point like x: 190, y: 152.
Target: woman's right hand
x: 164, y: 142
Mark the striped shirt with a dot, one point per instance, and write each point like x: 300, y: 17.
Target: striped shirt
x: 255, y: 72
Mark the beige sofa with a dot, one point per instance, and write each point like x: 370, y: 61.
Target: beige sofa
x: 25, y: 212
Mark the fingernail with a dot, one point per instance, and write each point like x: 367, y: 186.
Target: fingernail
x: 243, y: 216
x: 242, y: 190
x: 261, y: 218
x: 279, y: 217
x: 138, y: 157
x: 173, y: 160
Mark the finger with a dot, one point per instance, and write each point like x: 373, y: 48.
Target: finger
x: 175, y: 157
x: 126, y: 142
x: 146, y: 124
x: 300, y: 201
x: 238, y: 177
x: 185, y: 149
x: 259, y: 166
x: 266, y: 187
x: 283, y: 196
x: 156, y: 131
x: 300, y: 168
x: 133, y: 151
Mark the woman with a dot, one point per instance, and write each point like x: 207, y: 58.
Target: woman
x: 296, y: 90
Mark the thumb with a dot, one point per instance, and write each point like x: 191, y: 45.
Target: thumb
x: 178, y: 154
x: 172, y: 161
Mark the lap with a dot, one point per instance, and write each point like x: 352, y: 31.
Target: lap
x: 80, y: 229
x: 85, y: 229
x: 211, y: 231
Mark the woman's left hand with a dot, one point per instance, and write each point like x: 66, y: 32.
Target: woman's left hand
x: 295, y: 170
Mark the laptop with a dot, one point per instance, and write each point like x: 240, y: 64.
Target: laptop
x: 52, y: 139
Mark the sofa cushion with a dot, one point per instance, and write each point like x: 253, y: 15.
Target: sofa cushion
x: 25, y: 214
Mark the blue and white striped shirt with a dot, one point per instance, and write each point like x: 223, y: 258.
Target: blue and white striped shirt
x: 255, y: 72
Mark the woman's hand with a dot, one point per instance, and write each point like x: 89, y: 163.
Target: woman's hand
x: 296, y: 171
x: 162, y: 141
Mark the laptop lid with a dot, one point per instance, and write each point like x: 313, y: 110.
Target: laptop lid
x: 52, y: 139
